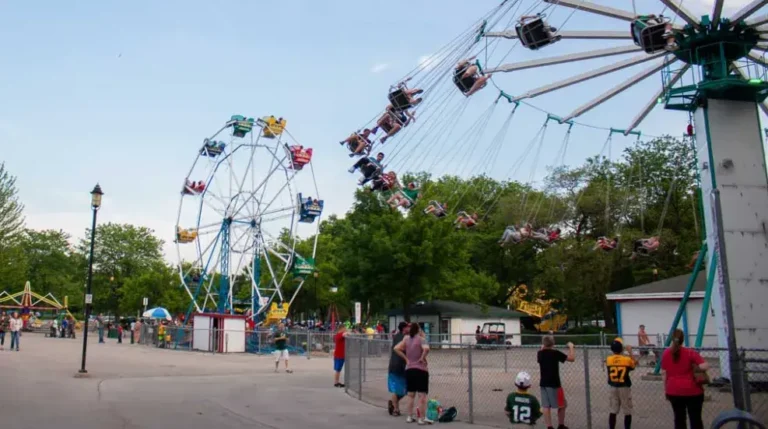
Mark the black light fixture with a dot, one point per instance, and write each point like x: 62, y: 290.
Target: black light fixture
x: 96, y: 195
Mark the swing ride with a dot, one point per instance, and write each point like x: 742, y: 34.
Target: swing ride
x: 710, y: 67
x: 239, y: 224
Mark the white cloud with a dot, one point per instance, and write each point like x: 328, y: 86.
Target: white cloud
x: 428, y: 62
x: 379, y: 67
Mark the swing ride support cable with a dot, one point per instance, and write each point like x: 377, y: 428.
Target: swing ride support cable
x: 597, y: 9
x: 707, y: 299
x: 576, y: 35
x: 529, y: 187
x: 676, y: 6
x: 479, y: 124
x: 654, y: 101
x: 683, y: 302
x: 666, y: 205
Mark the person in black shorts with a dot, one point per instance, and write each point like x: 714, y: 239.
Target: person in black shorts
x: 467, y: 77
x: 392, y: 122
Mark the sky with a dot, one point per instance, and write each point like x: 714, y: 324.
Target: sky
x: 122, y: 93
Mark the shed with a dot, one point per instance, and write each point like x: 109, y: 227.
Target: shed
x: 455, y: 322
x: 655, y: 305
x: 218, y: 333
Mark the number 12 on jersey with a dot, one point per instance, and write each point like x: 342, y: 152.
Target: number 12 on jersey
x: 521, y: 413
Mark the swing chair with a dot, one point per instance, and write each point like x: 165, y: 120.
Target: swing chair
x: 535, y: 33
x: 650, y: 32
x: 401, y: 98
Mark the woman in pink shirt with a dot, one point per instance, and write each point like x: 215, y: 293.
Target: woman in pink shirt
x: 414, y: 350
x: 683, y: 391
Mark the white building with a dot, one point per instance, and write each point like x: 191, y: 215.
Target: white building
x: 655, y: 305
x: 456, y: 322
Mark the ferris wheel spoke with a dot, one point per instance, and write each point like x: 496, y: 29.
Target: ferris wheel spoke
x: 597, y: 9
x: 653, y: 102
x: 277, y: 194
x: 273, y: 276
x: 758, y: 21
x: 574, y: 34
x: 759, y: 59
x: 589, y: 75
x: 259, y: 187
x: 278, y: 162
x: 296, y: 292
x: 676, y: 6
x: 717, y: 10
x: 747, y: 11
x: 213, y: 196
x: 581, y: 56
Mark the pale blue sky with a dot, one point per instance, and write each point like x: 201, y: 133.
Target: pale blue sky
x: 122, y: 93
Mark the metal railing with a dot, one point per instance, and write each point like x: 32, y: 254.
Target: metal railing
x: 476, y: 379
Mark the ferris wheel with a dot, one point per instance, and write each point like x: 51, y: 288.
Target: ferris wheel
x: 240, y: 218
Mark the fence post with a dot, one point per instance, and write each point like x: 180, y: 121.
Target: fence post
x: 365, y: 359
x: 359, y: 370
x: 745, y: 375
x: 461, y: 359
x: 470, y: 390
x: 505, y: 358
x: 309, y: 344
x: 226, y: 343
x: 587, y: 388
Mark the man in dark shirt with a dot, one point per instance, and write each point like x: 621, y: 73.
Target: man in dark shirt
x: 396, y: 379
x: 552, y: 395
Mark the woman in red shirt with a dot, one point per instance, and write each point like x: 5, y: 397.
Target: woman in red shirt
x: 683, y: 391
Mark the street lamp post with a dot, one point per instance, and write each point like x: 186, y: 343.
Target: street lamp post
x: 96, y: 195
x: 316, y: 275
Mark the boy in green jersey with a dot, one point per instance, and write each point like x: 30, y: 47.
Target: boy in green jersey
x: 522, y: 407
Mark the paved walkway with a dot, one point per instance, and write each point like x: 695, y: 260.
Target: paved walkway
x: 139, y: 387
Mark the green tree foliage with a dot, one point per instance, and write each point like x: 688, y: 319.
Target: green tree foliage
x: 52, y: 266
x: 11, y: 210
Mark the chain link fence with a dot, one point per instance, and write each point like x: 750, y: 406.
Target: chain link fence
x: 477, y: 379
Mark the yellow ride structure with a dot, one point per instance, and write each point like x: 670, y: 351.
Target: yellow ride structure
x: 185, y: 235
x: 28, y: 302
x: 276, y: 313
x: 273, y: 127
x: 551, y: 320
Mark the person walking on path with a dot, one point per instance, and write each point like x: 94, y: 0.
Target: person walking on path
x: 619, y: 366
x: 281, y: 348
x: 552, y: 394
x: 4, y: 326
x: 119, y: 333
x: 414, y: 350
x: 682, y: 371
x: 16, y: 324
x: 396, y: 377
x: 100, y: 326
x: 339, y: 354
x: 71, y: 328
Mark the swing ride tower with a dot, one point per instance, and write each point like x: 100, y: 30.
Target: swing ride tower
x: 717, y: 73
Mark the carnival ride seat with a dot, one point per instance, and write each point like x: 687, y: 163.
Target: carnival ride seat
x: 400, y: 99
x: 536, y: 33
x: 277, y: 313
x: 648, y: 33
x: 272, y: 127
x: 300, y: 156
x: 212, y: 148
x: 309, y: 209
x: 241, y: 125
x: 185, y: 235
x: 302, y: 267
x: 193, y: 188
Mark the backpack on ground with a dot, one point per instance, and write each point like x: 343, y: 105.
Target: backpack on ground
x: 448, y: 415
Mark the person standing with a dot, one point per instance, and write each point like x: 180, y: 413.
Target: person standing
x: 281, y: 348
x: 339, y: 353
x: 619, y: 367
x: 4, y: 326
x: 119, y: 333
x: 414, y: 350
x: 552, y: 394
x: 396, y: 377
x: 15, y: 324
x: 684, y: 393
x: 100, y: 326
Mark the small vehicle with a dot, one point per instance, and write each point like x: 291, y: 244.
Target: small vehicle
x: 493, y: 334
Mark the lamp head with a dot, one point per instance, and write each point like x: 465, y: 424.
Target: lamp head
x: 316, y: 274
x: 96, y: 194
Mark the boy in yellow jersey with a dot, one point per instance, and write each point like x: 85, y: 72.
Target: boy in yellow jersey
x: 619, y: 366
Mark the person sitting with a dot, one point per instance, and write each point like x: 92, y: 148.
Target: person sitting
x: 606, y: 244
x: 465, y: 220
x: 510, y: 235
x: 199, y: 187
x: 436, y: 209
x: 546, y: 235
x: 645, y: 246
x: 403, y: 98
x: 370, y: 167
x: 405, y: 197
x: 548, y: 29
x: 212, y: 148
x: 358, y: 142
x: 554, y: 235
x: 668, y: 35
x: 467, y: 77
x: 526, y: 231
x: 392, y: 122
x: 385, y: 182
x: 300, y: 156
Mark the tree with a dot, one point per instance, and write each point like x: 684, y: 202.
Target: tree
x: 51, y: 265
x: 11, y: 210
x: 121, y: 252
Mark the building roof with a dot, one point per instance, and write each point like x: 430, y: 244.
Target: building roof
x: 457, y: 309
x: 670, y: 288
